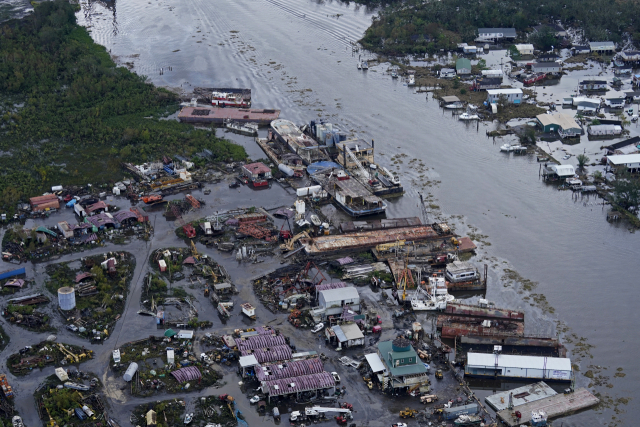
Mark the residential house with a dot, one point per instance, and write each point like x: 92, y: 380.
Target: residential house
x: 632, y: 96
x: 546, y: 67
x: 556, y: 29
x: 630, y: 55
x: 564, y: 124
x: 403, y: 367
x: 581, y: 50
x: 496, y: 35
x: 485, y: 83
x: 615, y: 102
x: 602, y: 48
x: 626, y: 70
x: 447, y: 73
x: 628, y: 146
x: 604, y: 130
x: 587, y: 85
x: 525, y: 49
x: 463, y: 67
x: 492, y: 73
x: 548, y: 57
x: 513, y: 95
x: 554, y: 171
x: 629, y: 161
x: 586, y: 105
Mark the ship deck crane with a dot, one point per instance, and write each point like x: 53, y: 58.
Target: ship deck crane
x: 363, y: 171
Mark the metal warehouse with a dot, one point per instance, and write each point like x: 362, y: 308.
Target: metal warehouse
x: 509, y: 366
x: 332, y: 301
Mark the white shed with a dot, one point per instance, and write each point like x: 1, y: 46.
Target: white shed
x: 525, y: 49
x: 333, y: 301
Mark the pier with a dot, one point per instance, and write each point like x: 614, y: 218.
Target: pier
x: 554, y: 406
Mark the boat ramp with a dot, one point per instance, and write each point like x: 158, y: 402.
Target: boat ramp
x: 553, y: 406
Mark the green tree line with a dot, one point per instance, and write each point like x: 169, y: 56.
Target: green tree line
x: 416, y: 26
x: 69, y: 115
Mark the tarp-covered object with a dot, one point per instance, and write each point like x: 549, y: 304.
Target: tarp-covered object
x: 190, y: 373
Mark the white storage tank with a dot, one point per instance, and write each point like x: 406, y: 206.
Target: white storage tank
x: 131, y: 370
x: 300, y: 207
x: 67, y: 298
x: 285, y: 169
x: 56, y: 188
x: 307, y: 191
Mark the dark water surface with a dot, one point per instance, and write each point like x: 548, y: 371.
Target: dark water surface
x: 296, y: 55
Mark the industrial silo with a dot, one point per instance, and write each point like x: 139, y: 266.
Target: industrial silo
x: 67, y: 298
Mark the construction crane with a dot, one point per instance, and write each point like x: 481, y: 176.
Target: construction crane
x: 405, y: 277
x: 354, y: 159
x: 288, y: 246
x: 194, y: 250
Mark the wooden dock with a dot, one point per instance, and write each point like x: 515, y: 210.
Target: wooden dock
x: 554, y: 406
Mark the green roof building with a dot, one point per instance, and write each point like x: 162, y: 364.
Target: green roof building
x: 463, y: 66
x: 402, y: 363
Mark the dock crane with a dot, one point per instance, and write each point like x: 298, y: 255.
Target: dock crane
x: 354, y: 159
x: 425, y: 212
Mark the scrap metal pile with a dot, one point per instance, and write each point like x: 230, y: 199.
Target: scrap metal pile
x: 278, y: 289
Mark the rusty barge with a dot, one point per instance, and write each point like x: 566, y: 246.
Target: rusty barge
x: 455, y: 326
x: 213, y: 115
x: 484, y: 310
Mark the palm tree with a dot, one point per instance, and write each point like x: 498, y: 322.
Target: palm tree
x: 583, y: 159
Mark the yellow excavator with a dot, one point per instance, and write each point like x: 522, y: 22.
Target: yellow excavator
x: 194, y: 250
x: 52, y: 422
x: 386, y: 247
x: 72, y: 357
x: 288, y: 246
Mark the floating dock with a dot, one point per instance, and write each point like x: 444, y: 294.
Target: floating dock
x: 363, y: 240
x: 554, y: 406
x: 520, y: 396
x: 214, y: 115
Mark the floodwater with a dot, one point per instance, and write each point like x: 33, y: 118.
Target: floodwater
x: 296, y: 55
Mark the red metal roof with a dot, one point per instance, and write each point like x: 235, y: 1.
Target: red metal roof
x: 257, y: 167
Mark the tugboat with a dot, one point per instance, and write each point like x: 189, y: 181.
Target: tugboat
x: 538, y: 418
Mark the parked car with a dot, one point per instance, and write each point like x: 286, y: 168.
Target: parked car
x: 318, y: 327
x: 72, y: 328
x: 336, y: 377
x: 254, y: 399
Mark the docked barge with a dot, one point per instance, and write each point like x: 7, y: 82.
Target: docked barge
x: 348, y: 193
x: 213, y: 115
x: 297, y: 141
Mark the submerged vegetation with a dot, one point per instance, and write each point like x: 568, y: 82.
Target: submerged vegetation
x: 418, y: 27
x: 69, y: 115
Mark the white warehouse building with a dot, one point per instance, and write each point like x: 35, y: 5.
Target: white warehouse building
x: 332, y: 302
x: 488, y: 365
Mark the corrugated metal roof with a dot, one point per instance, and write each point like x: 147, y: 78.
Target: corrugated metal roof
x: 374, y: 362
x: 352, y: 331
x: 340, y: 294
x: 339, y: 333
x: 525, y: 362
x: 250, y: 360
x: 623, y: 159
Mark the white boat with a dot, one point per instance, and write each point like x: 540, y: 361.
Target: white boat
x: 436, y: 298
x: 315, y: 220
x: 359, y: 65
x: 467, y: 116
x: 394, y: 74
x: 17, y: 421
x: 454, y: 105
x: 508, y: 148
x: 412, y: 80
x: 188, y: 418
x: 246, y: 128
x: 365, y: 65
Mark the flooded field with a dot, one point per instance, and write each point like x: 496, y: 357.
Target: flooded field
x: 553, y: 256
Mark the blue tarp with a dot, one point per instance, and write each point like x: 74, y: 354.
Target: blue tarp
x: 71, y: 202
x: 11, y: 273
x: 315, y: 167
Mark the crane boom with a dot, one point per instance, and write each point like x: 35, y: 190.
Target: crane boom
x: 355, y: 160
x: 425, y: 212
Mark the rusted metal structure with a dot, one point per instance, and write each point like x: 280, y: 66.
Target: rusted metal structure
x: 255, y: 231
x: 379, y: 224
x: 362, y: 240
x: 488, y: 312
x: 455, y: 326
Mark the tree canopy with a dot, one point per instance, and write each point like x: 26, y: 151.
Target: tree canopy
x: 69, y: 115
x: 416, y: 26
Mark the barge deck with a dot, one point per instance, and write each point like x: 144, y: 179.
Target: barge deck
x: 489, y: 312
x: 349, y: 194
x: 455, y: 326
x: 297, y: 141
x: 213, y: 115
x: 520, y: 396
x: 553, y: 406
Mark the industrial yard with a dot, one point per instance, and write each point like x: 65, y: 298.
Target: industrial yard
x: 266, y: 312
